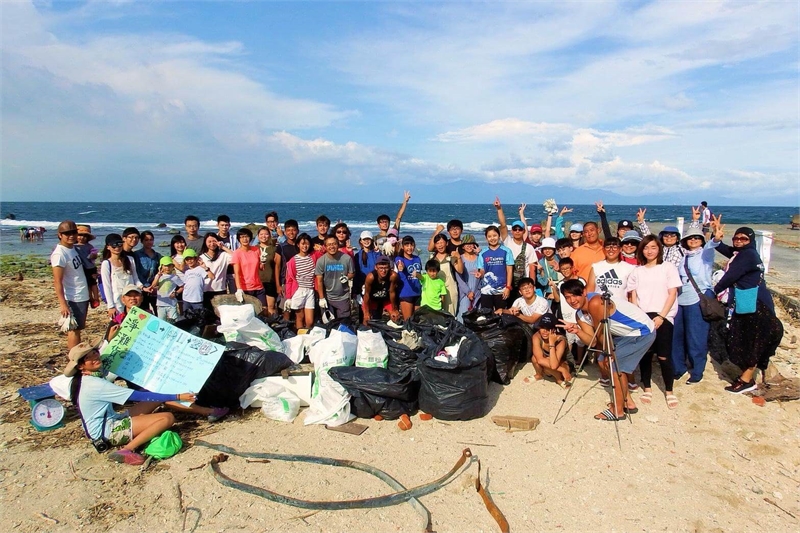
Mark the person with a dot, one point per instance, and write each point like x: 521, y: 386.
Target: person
x: 498, y: 264
x: 450, y: 266
x: 194, y: 281
x: 564, y: 248
x: 754, y: 330
x: 88, y: 254
x: 408, y: 265
x: 469, y: 281
x: 563, y: 309
x: 266, y: 248
x: 434, y: 290
x: 177, y: 245
x: 167, y: 286
x: 547, y: 275
x: 117, y: 270
x: 706, y: 217
x: 380, y: 292
x: 275, y: 232
x: 323, y: 225
x: 218, y: 262
x: 601, y: 212
x: 193, y: 238
x: 632, y: 333
x: 576, y: 235
x: 334, y: 270
x: 590, y: 252
x: 549, y: 349
x: 556, y: 229
x: 147, y: 266
x: 227, y: 242
x: 690, y: 335
x: 654, y: 288
x: 670, y: 237
x: 69, y: 280
x: 522, y: 250
x: 628, y: 246
x: 623, y: 227
x: 364, y: 261
x: 299, y: 286
x: 529, y: 307
x: 285, y: 251
x: 454, y: 229
x: 383, y: 222
x: 611, y: 272
x: 342, y: 234
x: 246, y: 262
x: 130, y: 239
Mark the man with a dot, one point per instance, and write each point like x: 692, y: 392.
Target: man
x: 454, y: 229
x: 380, y: 292
x: 275, y: 231
x: 333, y: 271
x: 285, y: 251
x: 193, y: 239
x: 69, y: 281
x: 524, y: 253
x: 130, y: 239
x: 590, y: 252
x: 323, y: 225
x: 706, y: 217
x: 632, y: 333
x: 229, y: 243
x: 383, y: 222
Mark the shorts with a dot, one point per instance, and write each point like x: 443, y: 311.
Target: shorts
x: 270, y: 289
x: 303, y: 298
x: 630, y: 350
x: 414, y: 300
x: 340, y: 308
x: 258, y: 294
x: 79, y: 311
x: 119, y: 431
x: 377, y: 307
x: 168, y: 313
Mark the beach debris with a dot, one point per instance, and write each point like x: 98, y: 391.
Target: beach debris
x: 522, y: 423
x: 351, y: 428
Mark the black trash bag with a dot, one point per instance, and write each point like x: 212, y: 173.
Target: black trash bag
x: 402, y: 359
x: 281, y: 326
x: 379, y: 381
x: 426, y: 318
x: 508, y: 337
x: 238, y: 367
x: 456, y: 390
x: 194, y: 321
x: 481, y: 319
x: 349, y: 322
x: 366, y: 405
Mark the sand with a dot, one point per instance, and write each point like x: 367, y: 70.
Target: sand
x: 717, y: 463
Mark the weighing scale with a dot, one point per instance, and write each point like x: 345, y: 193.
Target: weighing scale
x: 46, y: 412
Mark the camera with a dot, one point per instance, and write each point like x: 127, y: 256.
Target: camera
x: 101, y: 445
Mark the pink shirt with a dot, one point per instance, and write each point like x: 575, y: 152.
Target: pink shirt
x: 652, y: 286
x: 249, y: 262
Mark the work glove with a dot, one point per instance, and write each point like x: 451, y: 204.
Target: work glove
x: 287, y: 305
x: 323, y: 303
x: 240, y: 296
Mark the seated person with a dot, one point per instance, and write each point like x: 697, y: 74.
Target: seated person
x: 529, y: 307
x: 549, y: 349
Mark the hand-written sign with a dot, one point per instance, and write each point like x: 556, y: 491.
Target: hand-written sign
x: 158, y: 356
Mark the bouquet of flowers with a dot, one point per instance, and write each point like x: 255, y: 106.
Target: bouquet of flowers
x: 550, y: 206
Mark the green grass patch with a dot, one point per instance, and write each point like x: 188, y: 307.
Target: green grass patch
x: 31, y: 266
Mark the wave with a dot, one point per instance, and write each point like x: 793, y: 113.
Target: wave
x: 87, y: 212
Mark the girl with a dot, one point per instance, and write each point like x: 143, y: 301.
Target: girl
x: 365, y: 260
x: 547, y: 275
x: 470, y: 278
x: 450, y: 266
x: 654, y: 287
x: 548, y: 353
x: 176, y: 247
x: 266, y: 248
x: 408, y: 265
x: 167, y: 286
x: 246, y: 268
x: 498, y: 262
x: 299, y: 287
x: 117, y: 270
x: 147, y: 266
x: 217, y: 261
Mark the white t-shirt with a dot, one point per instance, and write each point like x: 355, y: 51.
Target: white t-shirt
x: 614, y: 276
x: 75, y: 287
x: 652, y: 286
x: 194, y: 280
x: 516, y: 249
x: 218, y: 267
x: 166, y: 285
x: 95, y: 399
x: 539, y: 306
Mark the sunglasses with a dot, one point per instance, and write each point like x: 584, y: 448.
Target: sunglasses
x: 741, y: 239
x: 517, y: 229
x: 70, y: 232
x: 341, y: 233
x: 115, y: 244
x: 694, y: 238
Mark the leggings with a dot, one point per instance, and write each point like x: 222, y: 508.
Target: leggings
x: 662, y: 348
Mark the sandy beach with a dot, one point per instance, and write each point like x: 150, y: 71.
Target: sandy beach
x: 719, y: 462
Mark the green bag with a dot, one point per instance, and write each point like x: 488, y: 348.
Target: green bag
x: 164, y: 446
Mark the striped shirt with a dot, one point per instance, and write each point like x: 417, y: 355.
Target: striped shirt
x: 627, y: 320
x: 305, y: 271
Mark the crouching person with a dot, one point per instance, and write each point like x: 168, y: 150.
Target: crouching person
x: 549, y: 349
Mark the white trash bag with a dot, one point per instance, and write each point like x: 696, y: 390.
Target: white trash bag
x: 239, y: 324
x: 330, y: 402
x: 372, y: 351
x: 295, y: 348
x: 284, y: 407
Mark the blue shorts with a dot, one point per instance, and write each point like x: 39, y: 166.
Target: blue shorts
x: 79, y: 311
x: 630, y: 350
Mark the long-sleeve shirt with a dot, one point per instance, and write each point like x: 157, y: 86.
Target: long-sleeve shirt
x: 701, y: 265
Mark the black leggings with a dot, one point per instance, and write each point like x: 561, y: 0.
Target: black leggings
x: 662, y: 348
x: 494, y: 301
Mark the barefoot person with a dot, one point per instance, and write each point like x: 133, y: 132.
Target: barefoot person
x: 69, y: 280
x: 549, y: 349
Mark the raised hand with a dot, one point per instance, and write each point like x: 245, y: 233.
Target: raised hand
x: 640, y: 214
x: 599, y: 205
x: 406, y: 196
x: 718, y: 227
x: 439, y: 228
x: 496, y: 203
x: 695, y: 213
x: 522, y: 210
x: 565, y: 210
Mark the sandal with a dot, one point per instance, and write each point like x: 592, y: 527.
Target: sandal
x: 672, y: 401
x: 608, y: 416
x: 629, y: 410
x: 646, y: 397
x: 605, y: 382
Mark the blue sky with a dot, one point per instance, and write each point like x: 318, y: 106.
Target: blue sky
x: 663, y: 102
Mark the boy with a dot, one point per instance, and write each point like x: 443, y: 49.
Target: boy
x: 564, y: 247
x: 194, y: 278
x: 167, y: 286
x: 88, y: 254
x: 323, y: 225
x: 383, y: 222
x: 549, y: 349
x: 433, y: 288
x: 529, y: 307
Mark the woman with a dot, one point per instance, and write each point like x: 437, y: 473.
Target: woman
x: 755, y: 332
x: 364, y: 261
x: 246, y: 262
x: 548, y: 352
x: 266, y: 248
x: 342, y: 234
x: 216, y: 260
x: 653, y: 288
x: 690, y: 337
x: 147, y: 266
x: 469, y: 282
x: 450, y: 265
x: 117, y: 270
x: 547, y: 275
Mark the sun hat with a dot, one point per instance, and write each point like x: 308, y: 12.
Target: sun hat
x: 86, y: 229
x: 366, y: 234
x: 536, y: 228
x: 693, y: 232
x: 576, y: 227
x: 548, y: 242
x: 130, y: 287
x: 631, y: 235
x: 165, y: 261
x: 519, y: 223
x: 113, y: 239
x: 75, y: 355
x: 467, y: 239
x: 189, y: 253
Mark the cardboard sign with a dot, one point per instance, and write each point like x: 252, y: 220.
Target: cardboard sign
x: 159, y: 357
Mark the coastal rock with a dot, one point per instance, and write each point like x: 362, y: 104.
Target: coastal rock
x: 173, y: 231
x: 161, y: 225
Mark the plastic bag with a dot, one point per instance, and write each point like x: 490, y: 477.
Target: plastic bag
x: 295, y: 348
x: 239, y: 324
x: 165, y: 445
x: 377, y: 381
x: 507, y: 338
x: 371, y: 351
x: 284, y: 407
x: 331, y: 406
x: 330, y: 402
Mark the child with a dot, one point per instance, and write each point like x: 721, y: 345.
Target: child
x: 498, y: 262
x: 88, y: 255
x: 299, y: 285
x: 408, y: 265
x: 547, y: 272
x: 194, y: 278
x: 167, y: 286
x: 433, y: 288
x: 529, y: 307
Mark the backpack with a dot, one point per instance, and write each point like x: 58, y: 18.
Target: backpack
x: 519, y: 265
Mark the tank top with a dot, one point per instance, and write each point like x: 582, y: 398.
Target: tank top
x: 379, y: 289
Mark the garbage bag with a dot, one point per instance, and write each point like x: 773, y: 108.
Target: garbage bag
x: 239, y: 365
x: 281, y: 326
x: 194, y: 321
x: 371, y: 351
x: 284, y: 407
x: 239, y: 324
x: 401, y: 358
x: 164, y: 446
x: 507, y: 338
x: 379, y: 381
x: 366, y: 405
x: 330, y: 402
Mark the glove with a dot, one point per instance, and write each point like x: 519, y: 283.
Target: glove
x: 323, y: 303
x: 264, y: 257
x: 344, y: 280
x: 240, y: 296
x: 287, y: 305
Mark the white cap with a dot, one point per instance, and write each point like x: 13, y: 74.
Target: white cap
x: 366, y: 234
x: 548, y: 242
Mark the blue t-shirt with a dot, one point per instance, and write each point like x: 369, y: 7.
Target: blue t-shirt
x: 146, y: 266
x: 362, y: 269
x: 410, y: 286
x: 495, y: 262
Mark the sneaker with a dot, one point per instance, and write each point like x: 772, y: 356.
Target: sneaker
x: 739, y: 386
x: 692, y: 381
x: 218, y: 414
x: 127, y: 457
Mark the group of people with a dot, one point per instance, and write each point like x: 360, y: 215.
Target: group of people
x: 565, y: 283
x: 31, y: 233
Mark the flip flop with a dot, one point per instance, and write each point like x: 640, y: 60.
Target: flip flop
x: 605, y: 382
x: 608, y: 416
x: 626, y: 409
x: 672, y: 401
x: 646, y: 397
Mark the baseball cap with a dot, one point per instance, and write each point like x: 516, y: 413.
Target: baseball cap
x: 393, y: 232
x: 165, y: 261
x: 75, y: 355
x: 631, y: 235
x: 536, y: 228
x: 366, y: 235
x: 189, y: 253
x: 548, y: 242
x: 627, y: 224
x: 576, y: 227
x: 383, y: 259
x: 112, y: 239
x: 518, y: 223
x: 130, y: 287
x: 547, y: 321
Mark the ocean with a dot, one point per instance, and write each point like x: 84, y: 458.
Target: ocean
x: 419, y: 220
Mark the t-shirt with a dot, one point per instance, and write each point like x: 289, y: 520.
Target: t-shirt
x: 584, y: 257
x: 146, y: 266
x: 95, y: 399
x: 196, y: 244
x: 193, y: 282
x: 304, y: 271
x: 332, y: 269
x: 248, y: 261
x: 268, y: 254
x: 614, y: 276
x: 410, y: 286
x: 318, y: 242
x: 84, y: 251
x: 165, y: 286
x: 218, y: 267
x: 652, y: 286
x: 432, y: 291
x: 286, y: 251
x: 539, y: 306
x: 516, y: 249
x: 627, y: 320
x: 495, y: 276
x: 75, y: 287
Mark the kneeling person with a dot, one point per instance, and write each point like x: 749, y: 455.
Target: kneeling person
x: 549, y: 349
x: 380, y: 291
